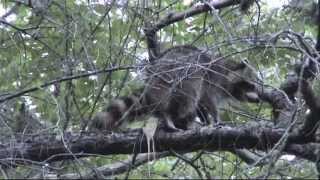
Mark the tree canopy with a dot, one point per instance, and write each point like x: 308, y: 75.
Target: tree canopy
x: 61, y: 62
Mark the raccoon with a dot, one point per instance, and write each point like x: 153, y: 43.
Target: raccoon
x: 120, y: 109
x: 184, y: 82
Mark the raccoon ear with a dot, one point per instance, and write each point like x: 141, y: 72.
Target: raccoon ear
x: 241, y: 65
x: 235, y: 66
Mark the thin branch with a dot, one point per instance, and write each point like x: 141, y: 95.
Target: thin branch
x: 12, y: 10
x: 67, y: 78
x: 116, y: 168
x: 188, y: 161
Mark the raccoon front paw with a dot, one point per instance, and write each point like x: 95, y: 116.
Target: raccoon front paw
x: 218, y: 124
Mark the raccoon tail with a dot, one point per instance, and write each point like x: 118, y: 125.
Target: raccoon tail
x: 120, y: 110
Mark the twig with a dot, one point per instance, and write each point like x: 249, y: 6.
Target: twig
x: 67, y: 78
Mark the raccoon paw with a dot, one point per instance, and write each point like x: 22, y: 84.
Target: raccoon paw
x: 218, y: 124
x: 170, y: 129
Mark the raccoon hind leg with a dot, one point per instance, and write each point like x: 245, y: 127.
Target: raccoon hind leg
x: 182, y: 110
x: 187, y: 122
x: 203, y: 115
x: 209, y: 106
x: 166, y: 123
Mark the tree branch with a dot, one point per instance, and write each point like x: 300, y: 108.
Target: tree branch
x: 213, y: 139
x: 151, y: 30
x: 195, y: 10
x: 67, y: 78
x: 312, y: 118
x: 116, y: 168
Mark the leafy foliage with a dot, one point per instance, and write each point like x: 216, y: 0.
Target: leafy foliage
x: 67, y: 38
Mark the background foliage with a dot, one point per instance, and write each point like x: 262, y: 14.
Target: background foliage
x: 53, y: 39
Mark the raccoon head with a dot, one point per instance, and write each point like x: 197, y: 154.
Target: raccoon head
x: 243, y: 81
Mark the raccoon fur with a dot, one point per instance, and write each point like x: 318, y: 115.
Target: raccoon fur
x: 184, y: 82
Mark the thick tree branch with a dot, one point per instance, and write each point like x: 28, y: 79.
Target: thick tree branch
x: 151, y: 30
x: 195, y: 10
x: 213, y: 139
x: 283, y: 108
x: 312, y: 118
